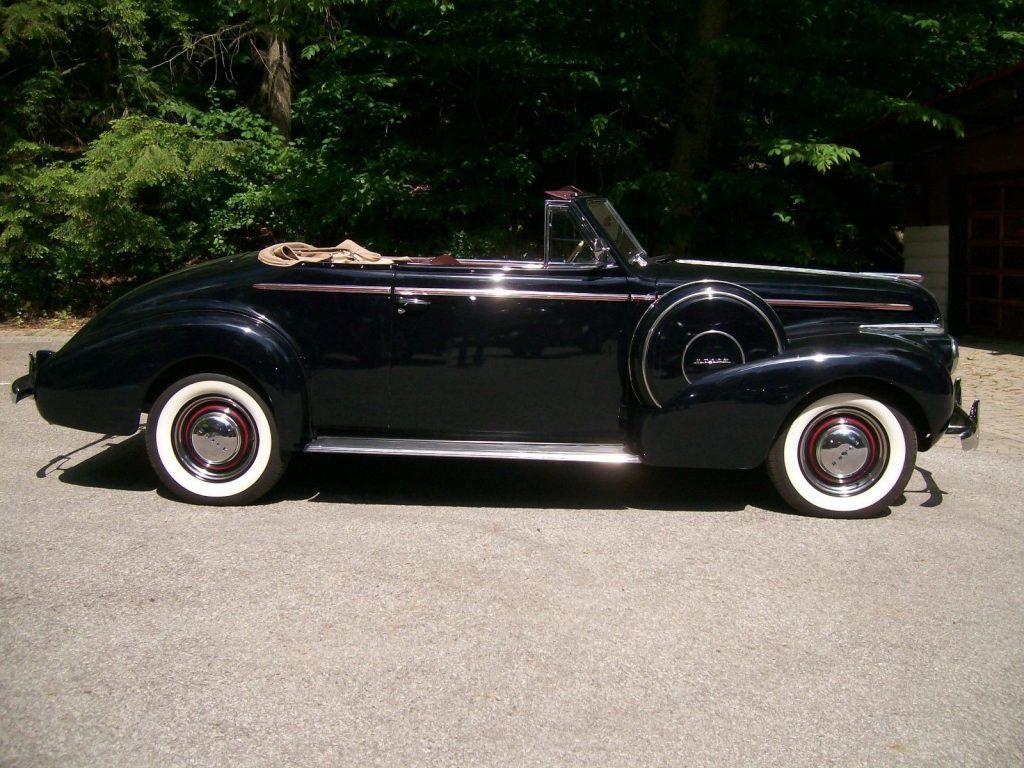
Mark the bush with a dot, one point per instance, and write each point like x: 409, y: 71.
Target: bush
x: 146, y: 197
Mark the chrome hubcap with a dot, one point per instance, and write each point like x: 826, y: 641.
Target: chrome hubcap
x: 215, y: 438
x: 843, y: 451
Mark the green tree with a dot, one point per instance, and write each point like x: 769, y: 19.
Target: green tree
x: 142, y: 135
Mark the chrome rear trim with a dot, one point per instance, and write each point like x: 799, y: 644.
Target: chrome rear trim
x: 512, y: 293
x: 480, y: 293
x: 601, y: 453
x: 323, y: 288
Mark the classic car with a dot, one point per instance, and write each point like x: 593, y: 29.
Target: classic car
x: 591, y: 350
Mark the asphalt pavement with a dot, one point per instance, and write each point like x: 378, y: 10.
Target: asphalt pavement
x: 376, y: 611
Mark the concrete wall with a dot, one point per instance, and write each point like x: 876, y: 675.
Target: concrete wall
x: 926, y: 252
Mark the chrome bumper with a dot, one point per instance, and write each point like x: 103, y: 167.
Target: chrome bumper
x: 25, y: 386
x: 964, y: 423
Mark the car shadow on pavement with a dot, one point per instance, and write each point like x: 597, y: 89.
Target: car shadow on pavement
x: 935, y: 494
x: 121, y: 464
x: 519, y: 484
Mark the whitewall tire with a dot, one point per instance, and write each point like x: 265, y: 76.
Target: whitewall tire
x: 212, y: 440
x: 845, y: 455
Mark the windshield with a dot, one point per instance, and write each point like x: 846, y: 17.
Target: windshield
x: 615, y: 228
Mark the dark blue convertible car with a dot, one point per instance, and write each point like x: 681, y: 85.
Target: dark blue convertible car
x: 590, y: 350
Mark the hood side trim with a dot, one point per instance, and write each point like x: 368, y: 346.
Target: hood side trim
x: 797, y: 270
x: 830, y: 304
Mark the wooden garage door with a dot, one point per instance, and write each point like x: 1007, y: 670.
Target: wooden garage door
x: 995, y: 257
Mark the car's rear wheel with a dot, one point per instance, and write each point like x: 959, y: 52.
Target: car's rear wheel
x: 212, y: 440
x: 846, y: 455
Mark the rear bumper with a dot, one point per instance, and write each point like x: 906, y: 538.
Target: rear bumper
x: 964, y: 423
x: 25, y: 386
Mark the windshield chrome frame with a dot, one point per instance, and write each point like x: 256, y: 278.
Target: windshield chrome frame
x: 590, y: 233
x: 640, y: 258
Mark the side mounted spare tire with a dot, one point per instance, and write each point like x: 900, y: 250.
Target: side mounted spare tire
x: 695, y: 330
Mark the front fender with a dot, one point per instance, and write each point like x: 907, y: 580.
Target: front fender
x: 99, y: 381
x: 730, y: 419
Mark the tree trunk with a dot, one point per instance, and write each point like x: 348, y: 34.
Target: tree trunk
x: 275, y: 94
x: 695, y: 125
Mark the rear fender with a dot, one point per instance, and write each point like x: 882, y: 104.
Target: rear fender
x: 99, y: 383
x: 730, y: 419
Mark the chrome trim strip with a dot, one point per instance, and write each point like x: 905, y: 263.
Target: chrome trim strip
x: 599, y: 453
x: 709, y: 293
x: 505, y: 264
x: 511, y: 293
x: 911, y: 276
x: 480, y: 293
x: 925, y: 328
x: 645, y: 297
x: 798, y: 270
x: 830, y: 304
x: 317, y: 288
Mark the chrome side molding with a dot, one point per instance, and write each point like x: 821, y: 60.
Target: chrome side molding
x: 911, y: 276
x: 898, y: 328
x: 881, y: 306
x: 914, y: 278
x: 600, y: 453
x: 512, y: 293
x: 381, y: 290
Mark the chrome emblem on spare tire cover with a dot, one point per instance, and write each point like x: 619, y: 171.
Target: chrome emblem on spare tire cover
x: 710, y: 351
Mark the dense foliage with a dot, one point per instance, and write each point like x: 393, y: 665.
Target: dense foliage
x: 141, y: 135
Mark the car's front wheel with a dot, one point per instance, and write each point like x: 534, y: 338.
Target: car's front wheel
x: 846, y: 455
x: 212, y: 440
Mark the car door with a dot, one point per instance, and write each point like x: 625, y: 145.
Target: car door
x: 511, y: 350
x: 340, y: 316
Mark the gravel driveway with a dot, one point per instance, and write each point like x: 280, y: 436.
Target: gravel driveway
x: 429, y: 612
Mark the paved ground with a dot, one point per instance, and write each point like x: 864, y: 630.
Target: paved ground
x: 388, y: 612
x: 993, y: 370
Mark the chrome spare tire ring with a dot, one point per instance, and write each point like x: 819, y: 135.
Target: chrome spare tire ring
x: 214, y: 438
x: 843, y: 451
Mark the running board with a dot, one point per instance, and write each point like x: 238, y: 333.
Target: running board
x: 601, y: 453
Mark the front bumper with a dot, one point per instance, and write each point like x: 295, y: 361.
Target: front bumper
x: 25, y: 386
x: 964, y: 423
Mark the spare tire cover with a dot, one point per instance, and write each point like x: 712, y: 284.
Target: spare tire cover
x: 694, y: 331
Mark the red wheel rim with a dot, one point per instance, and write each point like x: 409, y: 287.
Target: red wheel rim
x: 843, y: 451
x: 215, y: 438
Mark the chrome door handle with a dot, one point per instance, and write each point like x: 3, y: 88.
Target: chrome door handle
x: 407, y: 302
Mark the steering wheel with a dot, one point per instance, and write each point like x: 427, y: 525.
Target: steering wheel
x: 576, y: 251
